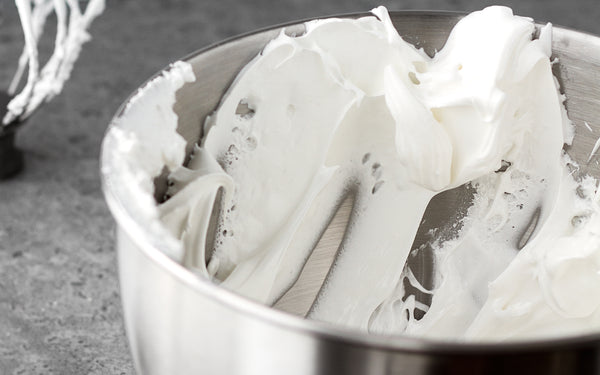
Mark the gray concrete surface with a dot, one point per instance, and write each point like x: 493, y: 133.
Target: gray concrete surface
x: 60, y: 310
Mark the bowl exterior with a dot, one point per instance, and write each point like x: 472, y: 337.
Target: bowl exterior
x: 179, y: 324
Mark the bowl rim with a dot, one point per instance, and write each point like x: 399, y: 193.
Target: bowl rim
x: 149, y: 245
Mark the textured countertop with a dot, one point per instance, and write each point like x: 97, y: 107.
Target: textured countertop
x: 60, y: 310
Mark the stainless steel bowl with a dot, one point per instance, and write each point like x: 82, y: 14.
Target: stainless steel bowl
x: 179, y: 324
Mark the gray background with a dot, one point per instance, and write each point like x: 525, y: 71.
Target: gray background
x: 60, y: 310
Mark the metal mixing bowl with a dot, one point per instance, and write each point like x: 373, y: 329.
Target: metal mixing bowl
x: 178, y: 323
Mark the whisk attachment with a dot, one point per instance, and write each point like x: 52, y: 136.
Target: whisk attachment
x: 11, y: 158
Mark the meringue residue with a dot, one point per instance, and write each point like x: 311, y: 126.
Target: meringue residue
x: 349, y: 105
